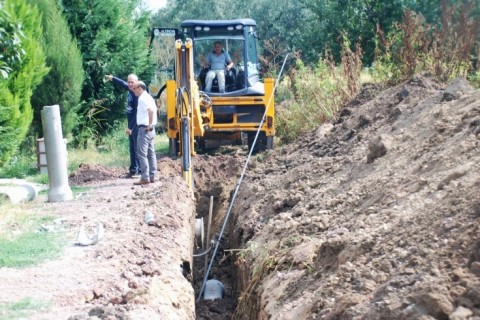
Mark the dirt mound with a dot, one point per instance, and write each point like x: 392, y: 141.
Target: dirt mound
x: 167, y: 167
x: 372, y: 216
x: 89, y: 173
x: 92, y: 173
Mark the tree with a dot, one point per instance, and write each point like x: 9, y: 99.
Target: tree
x: 358, y: 19
x: 178, y: 10
x: 282, y: 22
x: 63, y: 84
x: 112, y: 36
x: 11, y: 50
x: 309, y: 26
x: 15, y: 92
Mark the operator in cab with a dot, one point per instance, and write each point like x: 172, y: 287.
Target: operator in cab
x: 218, y: 60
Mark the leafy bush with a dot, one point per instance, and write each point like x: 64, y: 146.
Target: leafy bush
x: 20, y: 166
x: 15, y: 92
x: 11, y: 51
x: 112, y: 38
x: 110, y: 150
x: 63, y: 84
x: 415, y: 46
x: 116, y: 141
x: 318, y: 93
x: 474, y: 79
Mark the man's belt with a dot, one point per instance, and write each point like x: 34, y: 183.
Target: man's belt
x: 144, y: 126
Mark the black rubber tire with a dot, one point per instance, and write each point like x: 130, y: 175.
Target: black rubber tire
x: 260, y: 145
x: 200, y: 145
x: 270, y: 143
x: 173, y: 147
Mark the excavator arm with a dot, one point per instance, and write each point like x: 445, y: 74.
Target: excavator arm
x: 186, y: 115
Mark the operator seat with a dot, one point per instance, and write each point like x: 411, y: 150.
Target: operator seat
x: 230, y: 80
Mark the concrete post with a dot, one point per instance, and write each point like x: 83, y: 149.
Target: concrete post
x: 56, y: 152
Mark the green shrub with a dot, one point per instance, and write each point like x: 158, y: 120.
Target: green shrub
x: 161, y: 143
x: 11, y: 51
x: 318, y: 93
x: 112, y: 36
x: 415, y: 46
x: 20, y: 166
x: 15, y: 92
x: 474, y: 79
x: 116, y: 140
x: 63, y: 84
x: 110, y: 150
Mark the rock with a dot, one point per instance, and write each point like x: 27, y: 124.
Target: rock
x: 402, y: 94
x: 84, y: 239
x: 129, y: 296
x: 460, y: 313
x: 475, y: 268
x: 436, y: 304
x: 150, y: 269
x: 376, y: 149
x: 471, y: 298
x: 456, y: 89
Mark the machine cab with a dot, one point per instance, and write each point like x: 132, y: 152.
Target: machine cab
x: 238, y: 38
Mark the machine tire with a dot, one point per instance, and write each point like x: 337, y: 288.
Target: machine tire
x: 173, y: 147
x: 201, y: 145
x: 260, y: 145
x: 270, y: 144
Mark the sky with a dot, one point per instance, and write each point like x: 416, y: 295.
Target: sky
x: 154, y: 5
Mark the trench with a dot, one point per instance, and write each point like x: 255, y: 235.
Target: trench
x: 216, y: 176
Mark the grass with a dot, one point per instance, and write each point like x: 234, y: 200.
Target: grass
x: 21, y: 309
x: 28, y: 249
x: 161, y: 143
x: 23, y: 240
x: 20, y: 166
x: 103, y: 156
x: 113, y: 153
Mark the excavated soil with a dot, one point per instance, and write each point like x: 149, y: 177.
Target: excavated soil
x: 371, y: 216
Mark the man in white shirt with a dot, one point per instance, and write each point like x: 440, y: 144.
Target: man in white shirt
x: 146, y: 121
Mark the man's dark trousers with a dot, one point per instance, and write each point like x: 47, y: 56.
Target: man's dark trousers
x: 132, y: 142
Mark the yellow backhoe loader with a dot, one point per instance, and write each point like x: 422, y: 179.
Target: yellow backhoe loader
x: 197, y: 119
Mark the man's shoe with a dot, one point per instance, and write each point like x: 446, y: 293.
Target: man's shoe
x: 152, y: 180
x: 141, y: 182
x: 133, y: 175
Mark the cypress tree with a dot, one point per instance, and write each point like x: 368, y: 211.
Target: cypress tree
x: 16, y: 111
x: 63, y: 84
x: 112, y: 36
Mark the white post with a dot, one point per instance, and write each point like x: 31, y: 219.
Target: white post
x: 56, y: 152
